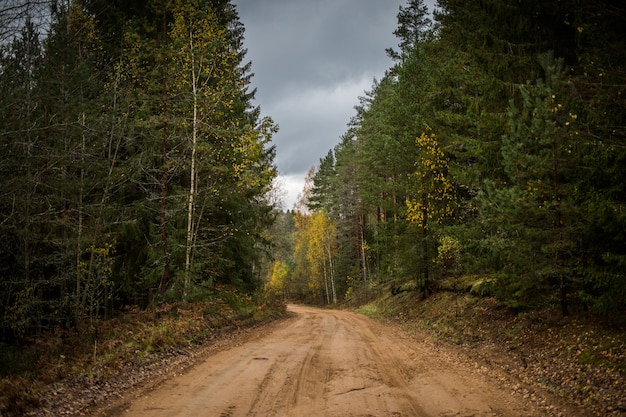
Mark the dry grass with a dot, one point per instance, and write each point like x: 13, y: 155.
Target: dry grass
x: 580, y: 360
x: 134, y: 338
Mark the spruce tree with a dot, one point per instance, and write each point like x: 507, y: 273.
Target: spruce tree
x: 537, y: 209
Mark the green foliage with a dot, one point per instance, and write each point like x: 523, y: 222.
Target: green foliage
x: 449, y: 255
x: 314, y: 254
x: 518, y: 173
x: 276, y: 281
x: 98, y: 152
x: 434, y: 189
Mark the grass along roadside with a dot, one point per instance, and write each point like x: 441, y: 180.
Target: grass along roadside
x: 82, y: 368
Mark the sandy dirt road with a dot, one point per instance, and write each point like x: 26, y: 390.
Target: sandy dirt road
x: 328, y: 363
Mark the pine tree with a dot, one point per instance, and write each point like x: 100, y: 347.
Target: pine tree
x: 350, y: 215
x: 539, y: 208
x: 324, y: 185
x: 413, y: 28
x: 23, y: 202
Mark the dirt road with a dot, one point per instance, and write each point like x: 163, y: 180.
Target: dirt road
x: 329, y: 363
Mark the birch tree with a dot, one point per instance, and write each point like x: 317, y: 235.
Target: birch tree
x: 200, y: 54
x: 433, y: 200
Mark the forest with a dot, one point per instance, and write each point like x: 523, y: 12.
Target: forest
x: 490, y: 157
x: 135, y: 168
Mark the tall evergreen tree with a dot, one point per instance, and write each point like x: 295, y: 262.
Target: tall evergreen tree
x: 413, y: 28
x: 539, y: 208
x: 23, y: 201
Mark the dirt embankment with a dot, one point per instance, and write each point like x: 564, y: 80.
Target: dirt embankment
x: 578, y: 360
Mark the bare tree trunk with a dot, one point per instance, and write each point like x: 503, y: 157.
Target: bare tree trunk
x: 192, y: 178
x: 332, y: 274
x: 558, y: 222
x: 326, y: 282
x: 165, y: 276
x: 78, y: 308
x: 425, y: 244
x: 363, y: 257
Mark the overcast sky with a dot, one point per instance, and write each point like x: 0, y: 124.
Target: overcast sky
x: 311, y: 61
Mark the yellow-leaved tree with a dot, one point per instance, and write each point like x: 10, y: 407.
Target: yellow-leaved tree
x: 315, y: 249
x: 432, y: 203
x: 322, y: 250
x: 276, y: 280
x: 203, y: 79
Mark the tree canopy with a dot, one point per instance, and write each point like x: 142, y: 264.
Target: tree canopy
x: 135, y: 167
x: 137, y: 170
x: 492, y: 148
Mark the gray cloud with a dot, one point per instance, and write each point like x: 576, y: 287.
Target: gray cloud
x: 311, y: 60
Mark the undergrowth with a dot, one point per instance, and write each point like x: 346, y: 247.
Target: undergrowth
x: 580, y: 359
x: 133, y: 337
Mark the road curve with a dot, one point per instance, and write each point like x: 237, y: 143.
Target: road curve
x: 328, y: 363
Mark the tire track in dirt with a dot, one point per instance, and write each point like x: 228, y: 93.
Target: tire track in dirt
x: 328, y: 363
